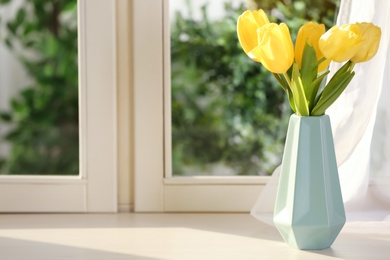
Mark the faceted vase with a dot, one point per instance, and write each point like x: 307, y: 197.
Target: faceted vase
x: 309, y: 210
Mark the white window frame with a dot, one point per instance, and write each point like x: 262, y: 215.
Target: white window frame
x: 155, y: 188
x: 95, y: 189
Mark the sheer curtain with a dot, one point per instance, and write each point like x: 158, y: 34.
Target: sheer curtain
x: 361, y: 127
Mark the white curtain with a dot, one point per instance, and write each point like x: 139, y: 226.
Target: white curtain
x: 361, y: 127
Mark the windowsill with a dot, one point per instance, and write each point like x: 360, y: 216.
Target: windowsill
x: 225, y: 180
x: 172, y: 236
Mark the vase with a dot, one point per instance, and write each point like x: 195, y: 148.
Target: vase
x: 309, y: 210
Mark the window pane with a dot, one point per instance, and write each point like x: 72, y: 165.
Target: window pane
x: 229, y: 116
x: 38, y: 87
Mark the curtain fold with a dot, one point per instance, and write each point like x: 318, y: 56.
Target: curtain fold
x: 361, y: 124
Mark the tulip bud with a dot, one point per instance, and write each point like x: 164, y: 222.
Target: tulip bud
x: 369, y: 45
x: 247, y: 25
x: 275, y: 48
x: 340, y: 43
x: 310, y: 32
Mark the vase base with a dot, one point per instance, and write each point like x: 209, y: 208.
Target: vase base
x: 309, y: 237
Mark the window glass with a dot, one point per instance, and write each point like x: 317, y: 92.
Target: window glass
x: 38, y: 87
x: 229, y: 116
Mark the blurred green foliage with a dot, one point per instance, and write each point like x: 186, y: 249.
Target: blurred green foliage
x: 44, y: 115
x: 296, y: 12
x: 226, y: 109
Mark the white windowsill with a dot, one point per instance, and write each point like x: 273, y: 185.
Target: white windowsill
x: 172, y: 236
x: 233, y: 180
x: 42, y: 179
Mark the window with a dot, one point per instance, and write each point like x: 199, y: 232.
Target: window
x: 229, y: 116
x: 39, y: 88
x: 155, y: 187
x: 95, y: 189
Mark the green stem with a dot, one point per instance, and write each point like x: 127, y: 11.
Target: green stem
x: 351, y: 66
x: 287, y: 78
x: 321, y: 60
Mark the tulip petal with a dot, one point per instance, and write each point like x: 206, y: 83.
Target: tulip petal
x: 340, y: 43
x: 247, y: 25
x: 309, y: 33
x: 275, y: 49
x: 323, y: 65
x: 369, y: 45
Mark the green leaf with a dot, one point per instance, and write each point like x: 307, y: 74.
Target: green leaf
x: 11, y: 27
x: 70, y: 6
x: 283, y: 83
x: 20, y: 16
x: 315, y: 85
x: 309, y: 73
x: 345, y: 68
x: 331, y: 92
x: 309, y: 68
x: 6, y: 117
x: 9, y: 44
x: 291, y: 100
x: 341, y: 73
x: 298, y: 92
x: 2, y: 2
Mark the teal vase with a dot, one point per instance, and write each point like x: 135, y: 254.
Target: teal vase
x: 309, y: 210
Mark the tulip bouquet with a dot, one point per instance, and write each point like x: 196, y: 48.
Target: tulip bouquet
x: 301, y: 72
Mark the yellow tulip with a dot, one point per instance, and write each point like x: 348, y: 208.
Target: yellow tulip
x: 310, y: 32
x: 340, y: 43
x: 275, y: 48
x: 371, y: 36
x: 247, y: 25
